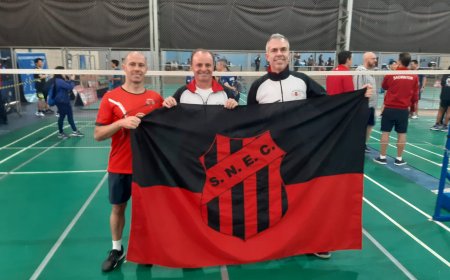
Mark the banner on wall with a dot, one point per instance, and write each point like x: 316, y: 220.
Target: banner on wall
x: 26, y: 61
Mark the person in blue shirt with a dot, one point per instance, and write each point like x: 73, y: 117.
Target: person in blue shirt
x: 63, y: 87
x: 116, y: 80
x: 228, y: 82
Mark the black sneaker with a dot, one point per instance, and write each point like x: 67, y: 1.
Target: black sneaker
x: 399, y: 162
x: 436, y: 127
x: 113, y: 260
x: 380, y: 160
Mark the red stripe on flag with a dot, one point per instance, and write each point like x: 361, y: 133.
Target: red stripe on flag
x: 324, y: 214
x: 226, y: 214
x: 204, y: 210
x: 275, y: 200
x: 251, y: 206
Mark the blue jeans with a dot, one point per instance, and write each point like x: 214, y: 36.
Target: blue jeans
x: 65, y: 109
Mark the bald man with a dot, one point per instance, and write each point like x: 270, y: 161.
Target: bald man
x: 121, y: 110
x: 359, y: 81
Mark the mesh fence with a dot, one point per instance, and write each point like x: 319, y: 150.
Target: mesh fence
x: 93, y: 84
x: 311, y: 25
x: 69, y: 23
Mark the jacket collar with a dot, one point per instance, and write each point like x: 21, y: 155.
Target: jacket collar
x: 341, y: 67
x: 192, y: 86
x: 278, y: 76
x: 401, y: 67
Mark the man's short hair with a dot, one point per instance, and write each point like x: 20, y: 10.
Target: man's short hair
x: 115, y: 62
x: 225, y: 63
x: 202, y: 50
x: 276, y: 36
x: 343, y: 56
x: 404, y: 58
x: 37, y: 60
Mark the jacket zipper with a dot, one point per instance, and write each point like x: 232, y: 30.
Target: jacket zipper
x: 282, y: 95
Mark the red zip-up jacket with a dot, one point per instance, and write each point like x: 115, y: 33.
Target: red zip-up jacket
x: 402, y: 91
x: 340, y: 84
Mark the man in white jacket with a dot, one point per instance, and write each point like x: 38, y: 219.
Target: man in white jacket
x: 369, y: 63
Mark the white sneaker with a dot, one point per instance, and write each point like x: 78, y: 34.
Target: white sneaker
x: 414, y: 117
x: 323, y: 255
x: 76, y: 134
x: 62, y: 136
x: 39, y: 114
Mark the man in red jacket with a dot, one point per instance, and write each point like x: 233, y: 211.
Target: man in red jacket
x: 341, y: 84
x: 402, y: 91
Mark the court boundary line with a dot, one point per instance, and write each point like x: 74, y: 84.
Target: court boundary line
x: 41, y: 148
x: 20, y: 139
x: 429, y: 217
x: 407, y: 232
x: 35, y: 143
x: 66, y: 232
x: 408, y: 152
x: 396, y: 262
x: 51, y: 172
x: 36, y: 131
x: 36, y: 156
x: 28, y: 161
x: 224, y: 272
x: 417, y: 147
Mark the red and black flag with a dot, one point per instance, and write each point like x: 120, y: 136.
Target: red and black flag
x: 213, y: 186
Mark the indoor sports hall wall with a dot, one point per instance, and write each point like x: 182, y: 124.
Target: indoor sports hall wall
x: 225, y: 24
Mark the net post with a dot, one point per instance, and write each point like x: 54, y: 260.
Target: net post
x: 443, y: 199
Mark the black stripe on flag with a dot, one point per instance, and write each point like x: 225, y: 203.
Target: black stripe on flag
x: 284, y: 201
x: 213, y: 214
x: 262, y: 191
x: 237, y: 198
x: 211, y: 157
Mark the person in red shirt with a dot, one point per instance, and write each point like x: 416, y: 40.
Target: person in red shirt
x: 402, y: 92
x: 341, y: 84
x: 121, y: 110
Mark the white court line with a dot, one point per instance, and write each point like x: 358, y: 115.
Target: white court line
x: 28, y: 161
x: 42, y: 128
x: 420, y: 242
x: 388, y: 255
x: 28, y: 135
x: 28, y: 147
x: 50, y: 172
x: 60, y: 148
x: 224, y: 273
x: 412, y: 145
x: 425, y: 159
x: 63, y: 236
x: 407, y: 203
x: 36, y: 131
x: 31, y: 159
